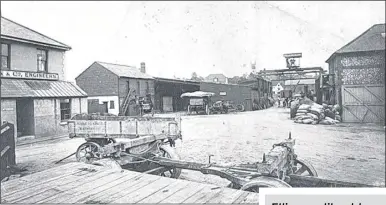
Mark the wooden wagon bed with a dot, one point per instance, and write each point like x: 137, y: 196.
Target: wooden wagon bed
x: 84, y: 183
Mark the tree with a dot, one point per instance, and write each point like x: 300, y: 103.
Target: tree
x: 196, y: 77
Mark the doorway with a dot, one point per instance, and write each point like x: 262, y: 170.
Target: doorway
x: 167, y: 103
x: 25, y: 117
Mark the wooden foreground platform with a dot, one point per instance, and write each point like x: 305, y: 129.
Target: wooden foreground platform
x: 82, y: 183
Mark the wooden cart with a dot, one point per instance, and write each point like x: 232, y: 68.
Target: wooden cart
x: 149, y: 149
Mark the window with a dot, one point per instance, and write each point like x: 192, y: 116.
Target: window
x: 138, y: 88
x: 42, y: 60
x: 215, y: 80
x: 65, y: 109
x: 5, y: 61
x: 112, y: 104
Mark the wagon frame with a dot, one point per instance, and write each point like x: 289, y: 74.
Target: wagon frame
x: 154, y: 154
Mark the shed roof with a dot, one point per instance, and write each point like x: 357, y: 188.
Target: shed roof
x: 373, y: 39
x: 12, y: 88
x: 124, y: 70
x: 170, y: 80
x: 14, y: 31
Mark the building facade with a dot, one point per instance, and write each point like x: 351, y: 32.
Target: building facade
x: 34, y: 96
x: 216, y: 78
x: 358, y: 72
x: 107, y: 85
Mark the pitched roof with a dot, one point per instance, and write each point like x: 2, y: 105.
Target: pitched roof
x: 13, y: 31
x: 371, y: 40
x: 124, y: 70
x: 216, y: 75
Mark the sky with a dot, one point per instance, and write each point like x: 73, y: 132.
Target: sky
x: 175, y: 39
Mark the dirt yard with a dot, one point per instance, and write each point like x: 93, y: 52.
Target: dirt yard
x: 353, y: 153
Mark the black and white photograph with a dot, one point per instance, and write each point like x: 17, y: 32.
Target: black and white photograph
x: 106, y: 102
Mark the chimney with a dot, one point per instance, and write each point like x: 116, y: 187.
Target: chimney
x: 143, y: 68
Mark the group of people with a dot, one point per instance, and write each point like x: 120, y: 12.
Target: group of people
x: 286, y: 102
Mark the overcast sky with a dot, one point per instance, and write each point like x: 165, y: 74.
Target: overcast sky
x: 178, y: 38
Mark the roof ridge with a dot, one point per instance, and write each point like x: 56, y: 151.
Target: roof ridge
x: 116, y: 64
x: 65, y: 45
x: 352, y: 41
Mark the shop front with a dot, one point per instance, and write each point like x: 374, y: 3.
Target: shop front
x: 38, y: 104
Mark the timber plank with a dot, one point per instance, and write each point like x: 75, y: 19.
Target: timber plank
x: 39, y: 176
x: 252, y: 198
x: 125, y: 189
x: 145, y: 191
x: 127, y: 175
x: 37, y: 196
x: 83, y: 186
x: 226, y: 195
x: 35, y: 182
x: 58, y: 185
x: 110, y: 192
x: 158, y: 196
x: 31, y: 190
x: 183, y: 194
x: 241, y: 198
x: 204, y: 194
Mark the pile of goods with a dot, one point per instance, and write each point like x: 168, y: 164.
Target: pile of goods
x: 309, y: 112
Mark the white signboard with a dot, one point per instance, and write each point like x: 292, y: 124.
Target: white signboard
x: 300, y: 82
x: 223, y: 93
x: 29, y: 75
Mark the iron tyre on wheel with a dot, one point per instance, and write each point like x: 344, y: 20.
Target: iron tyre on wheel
x: 266, y: 182
x: 89, y: 152
x: 169, y: 152
x: 304, y: 168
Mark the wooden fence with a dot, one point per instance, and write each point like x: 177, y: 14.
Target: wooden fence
x: 7, y: 147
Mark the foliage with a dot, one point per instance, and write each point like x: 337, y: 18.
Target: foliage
x: 195, y: 77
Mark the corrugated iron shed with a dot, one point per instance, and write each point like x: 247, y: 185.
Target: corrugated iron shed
x: 11, y: 88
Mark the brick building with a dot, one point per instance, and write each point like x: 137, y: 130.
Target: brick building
x: 108, y: 84
x: 216, y: 78
x: 34, y: 95
x: 357, y: 76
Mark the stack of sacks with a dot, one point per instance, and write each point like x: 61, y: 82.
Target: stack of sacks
x: 316, y: 114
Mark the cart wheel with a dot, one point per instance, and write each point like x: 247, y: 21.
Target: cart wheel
x: 265, y: 182
x: 88, y: 152
x: 240, y: 108
x: 304, y: 168
x: 169, y: 152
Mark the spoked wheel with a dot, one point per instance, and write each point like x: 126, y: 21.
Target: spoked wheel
x: 240, y: 108
x: 264, y: 182
x: 168, y: 152
x: 89, y: 152
x: 304, y: 168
